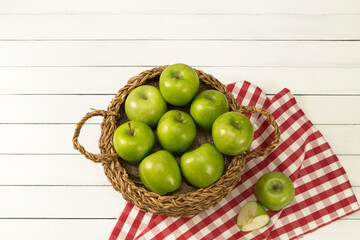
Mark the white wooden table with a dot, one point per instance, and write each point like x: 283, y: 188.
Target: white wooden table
x: 58, y: 59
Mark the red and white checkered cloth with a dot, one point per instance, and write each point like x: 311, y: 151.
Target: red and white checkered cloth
x: 323, y: 191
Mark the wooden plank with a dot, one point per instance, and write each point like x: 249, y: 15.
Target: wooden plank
x: 183, y: 7
x: 69, y: 202
x: 343, y: 139
x: 108, y: 80
x: 50, y: 170
x: 56, y: 229
x: 56, y: 138
x: 55, y: 108
x: 50, y: 108
x: 208, y: 53
x: 46, y: 139
x: 330, y: 109
x: 60, y: 202
x: 243, y: 27
x: 351, y: 165
x: 77, y: 170
x: 343, y: 229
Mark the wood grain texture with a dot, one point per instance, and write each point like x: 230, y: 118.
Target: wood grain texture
x: 60, y: 202
x: 243, y: 27
x: 179, y: 7
x: 337, y: 230
x: 208, y: 53
x: 51, y: 170
x: 56, y: 229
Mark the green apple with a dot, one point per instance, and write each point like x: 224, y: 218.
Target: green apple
x: 176, y: 131
x: 274, y: 190
x: 202, y: 166
x: 160, y: 172
x: 145, y: 104
x: 133, y: 141
x: 179, y: 84
x: 252, y: 216
x: 207, y: 106
x: 232, y: 133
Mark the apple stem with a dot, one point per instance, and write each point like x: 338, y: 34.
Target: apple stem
x: 131, y: 132
x: 177, y: 76
x: 180, y: 117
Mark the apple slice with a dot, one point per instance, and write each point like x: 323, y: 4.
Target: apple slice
x: 252, y: 216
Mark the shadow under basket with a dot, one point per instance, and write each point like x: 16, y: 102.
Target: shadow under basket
x: 124, y: 177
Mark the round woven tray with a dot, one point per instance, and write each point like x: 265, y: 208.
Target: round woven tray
x: 188, y: 200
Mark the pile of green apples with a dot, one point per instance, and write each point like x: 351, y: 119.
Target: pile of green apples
x: 147, y: 108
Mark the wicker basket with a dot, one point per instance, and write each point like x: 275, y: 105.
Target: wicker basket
x: 188, y: 200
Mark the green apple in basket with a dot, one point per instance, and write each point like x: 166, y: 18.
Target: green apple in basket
x: 176, y: 131
x: 274, y: 190
x: 207, y: 106
x: 252, y: 216
x: 203, y: 166
x: 232, y: 133
x: 145, y: 104
x: 133, y: 141
x: 179, y: 83
x: 160, y: 172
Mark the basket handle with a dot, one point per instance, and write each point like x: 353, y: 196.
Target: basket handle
x: 97, y: 158
x: 272, y: 121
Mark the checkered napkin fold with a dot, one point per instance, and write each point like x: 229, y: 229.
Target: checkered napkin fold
x: 323, y: 192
